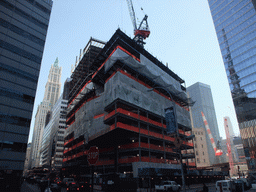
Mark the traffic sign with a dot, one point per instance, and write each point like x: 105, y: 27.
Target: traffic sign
x: 93, y: 155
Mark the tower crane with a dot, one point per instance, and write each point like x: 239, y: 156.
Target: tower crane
x: 142, y: 31
x: 218, y: 152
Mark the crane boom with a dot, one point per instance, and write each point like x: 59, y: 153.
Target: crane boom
x: 209, y: 132
x: 132, y: 14
x: 218, y: 152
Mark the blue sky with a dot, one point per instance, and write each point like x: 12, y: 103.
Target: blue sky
x: 182, y: 35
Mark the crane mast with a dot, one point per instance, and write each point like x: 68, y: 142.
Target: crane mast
x: 141, y: 32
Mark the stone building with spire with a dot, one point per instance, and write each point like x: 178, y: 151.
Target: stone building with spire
x: 51, y: 95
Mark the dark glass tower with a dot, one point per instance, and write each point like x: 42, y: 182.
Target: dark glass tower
x: 23, y: 28
x: 235, y: 25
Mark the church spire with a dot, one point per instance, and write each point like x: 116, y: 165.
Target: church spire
x: 56, y: 63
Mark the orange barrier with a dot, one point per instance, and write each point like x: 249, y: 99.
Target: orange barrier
x: 72, y: 139
x: 136, y: 116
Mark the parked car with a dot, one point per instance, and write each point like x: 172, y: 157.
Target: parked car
x: 239, y: 185
x: 168, y: 186
x: 73, y: 186
x: 67, y: 181
x: 248, y: 184
x: 55, y: 188
x: 225, y: 186
x: 84, y: 186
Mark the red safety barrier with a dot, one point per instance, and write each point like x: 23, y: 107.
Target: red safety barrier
x: 144, y: 131
x: 69, y: 141
x: 129, y: 146
x: 144, y: 145
x: 106, y: 149
x: 80, y: 143
x: 98, y: 116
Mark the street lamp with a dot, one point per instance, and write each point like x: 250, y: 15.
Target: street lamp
x: 171, y: 119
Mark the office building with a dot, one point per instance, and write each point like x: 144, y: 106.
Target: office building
x: 235, y: 25
x: 237, y: 155
x: 52, y: 146
x: 112, y: 106
x: 200, y: 145
x: 202, y: 95
x: 27, y: 160
x: 24, y: 27
x: 51, y: 95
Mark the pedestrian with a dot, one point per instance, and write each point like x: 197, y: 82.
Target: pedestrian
x: 205, y: 188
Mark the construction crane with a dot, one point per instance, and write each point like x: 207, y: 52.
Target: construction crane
x: 218, y: 152
x: 230, y: 157
x: 142, y: 31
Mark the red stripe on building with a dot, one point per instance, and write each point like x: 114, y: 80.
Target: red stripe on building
x: 98, y: 116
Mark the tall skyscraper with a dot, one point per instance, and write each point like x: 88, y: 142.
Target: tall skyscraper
x: 235, y: 25
x: 23, y: 32
x: 202, y: 95
x: 51, y: 95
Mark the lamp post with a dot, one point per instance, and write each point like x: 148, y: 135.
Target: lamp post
x: 172, y: 112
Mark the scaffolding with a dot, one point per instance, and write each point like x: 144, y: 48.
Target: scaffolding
x: 110, y: 107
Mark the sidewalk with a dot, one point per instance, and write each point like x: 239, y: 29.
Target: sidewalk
x: 26, y: 187
x: 199, y: 187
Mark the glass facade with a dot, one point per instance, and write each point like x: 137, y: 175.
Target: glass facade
x: 235, y: 25
x: 23, y: 26
x: 202, y: 95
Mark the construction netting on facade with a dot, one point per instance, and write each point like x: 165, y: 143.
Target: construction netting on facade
x: 148, y: 69
x: 122, y: 87
x: 89, y: 118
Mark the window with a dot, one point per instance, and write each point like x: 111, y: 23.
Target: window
x: 23, y: 14
x: 20, y: 52
x: 201, y: 138
x: 202, y: 146
x: 195, y: 145
x: 203, y: 153
x: 196, y: 152
x: 204, y: 160
x: 198, y: 160
x: 16, y: 95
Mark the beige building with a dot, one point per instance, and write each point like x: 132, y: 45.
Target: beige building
x: 51, y: 95
x: 200, y: 147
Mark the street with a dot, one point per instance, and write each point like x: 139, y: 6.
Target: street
x: 26, y: 187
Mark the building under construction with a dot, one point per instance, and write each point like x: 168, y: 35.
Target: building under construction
x: 117, y: 100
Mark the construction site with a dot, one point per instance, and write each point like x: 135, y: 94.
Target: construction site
x: 117, y: 103
x: 119, y: 96
x: 110, y: 106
